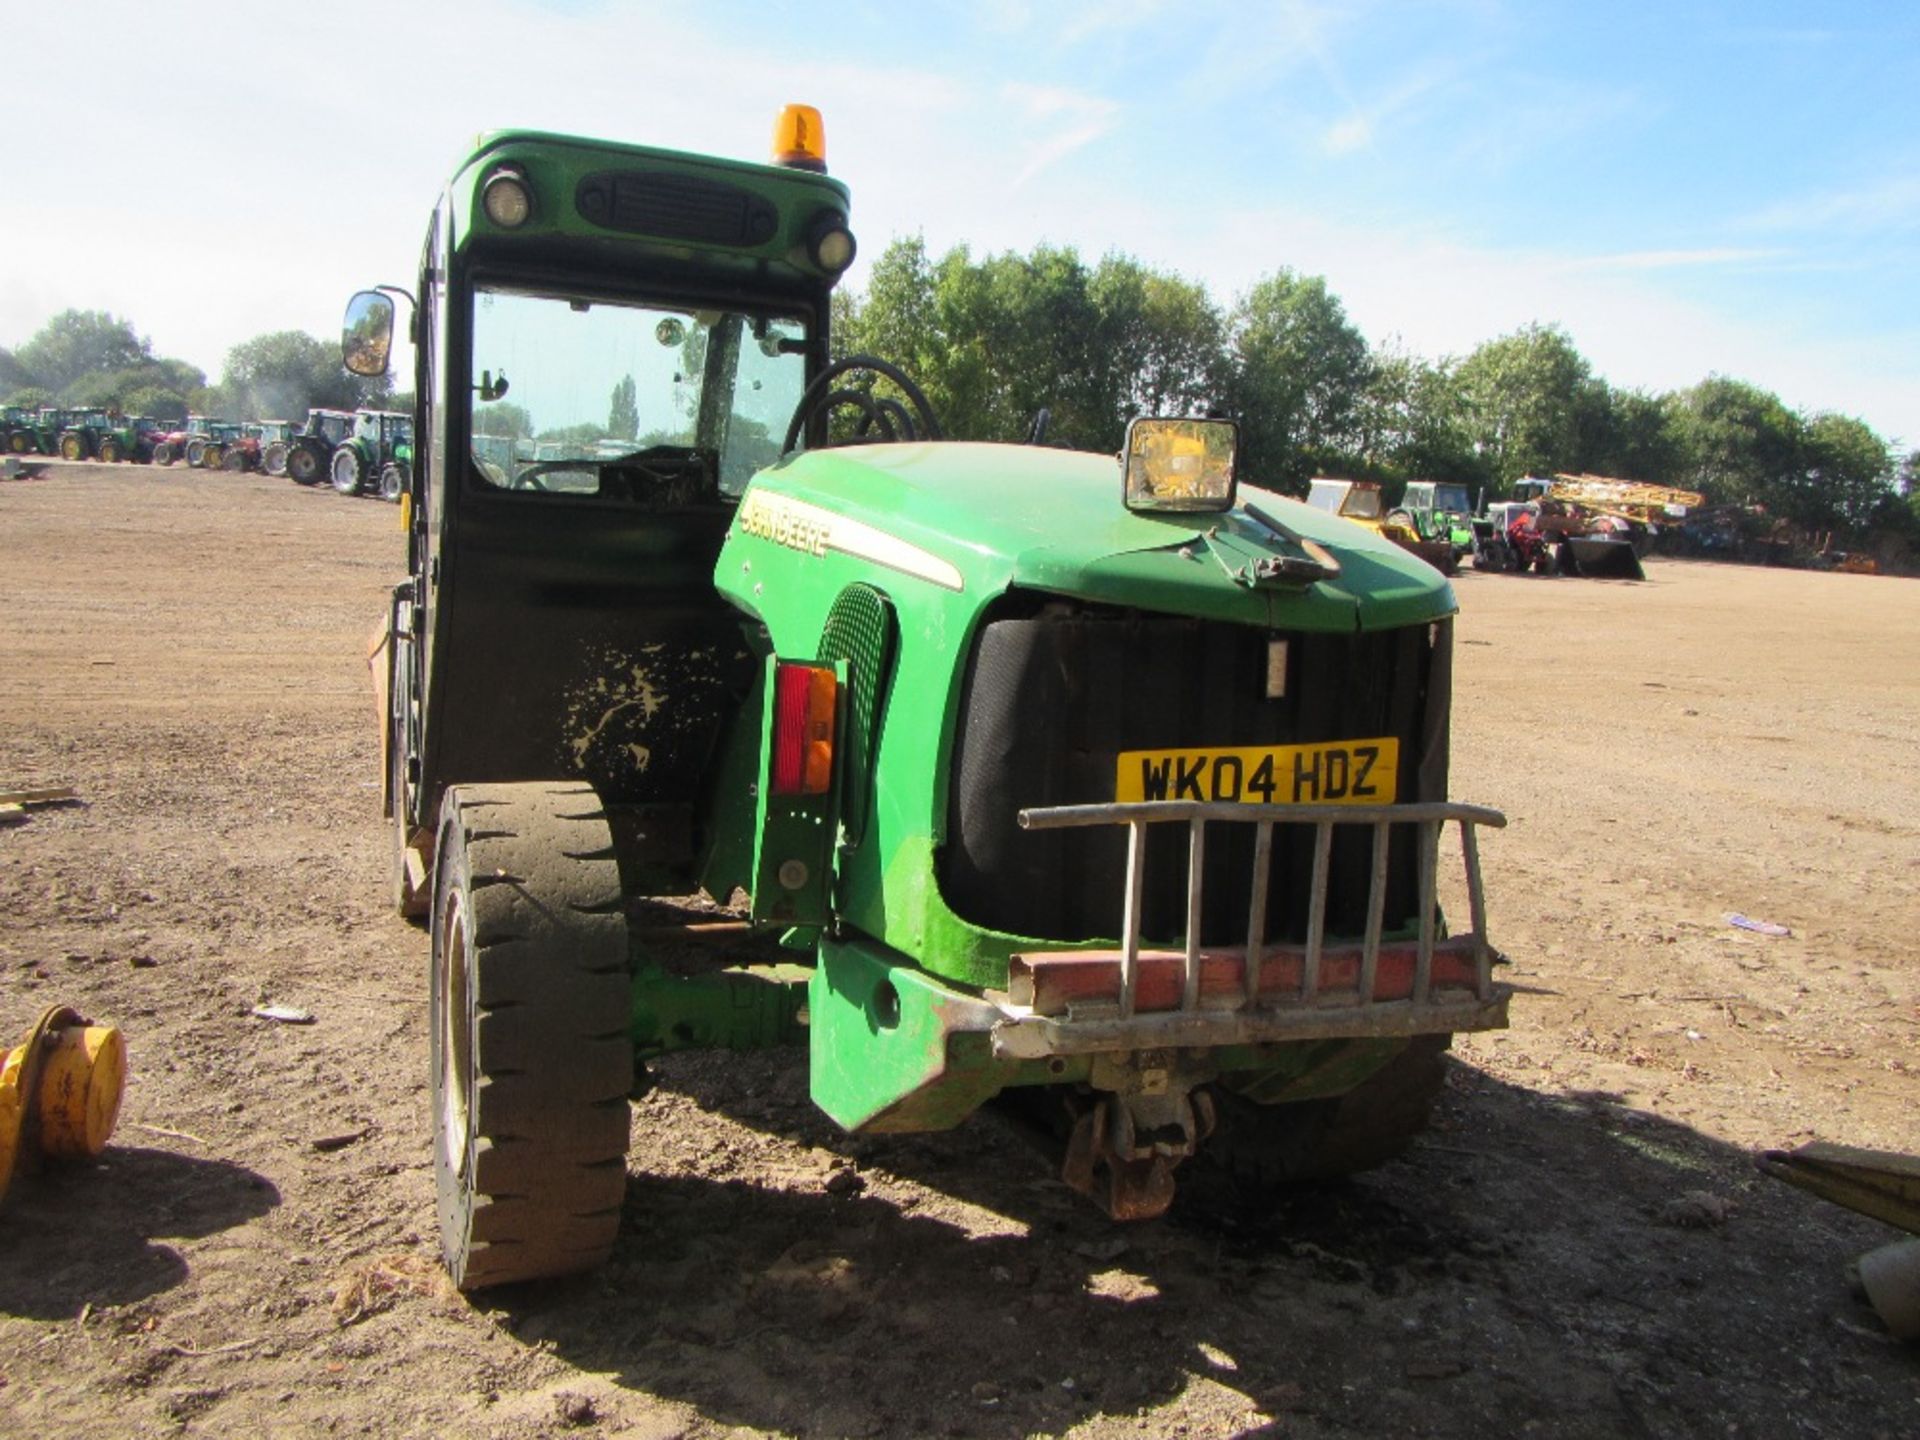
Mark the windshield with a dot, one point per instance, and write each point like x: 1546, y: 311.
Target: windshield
x: 1452, y: 499
x: 580, y: 386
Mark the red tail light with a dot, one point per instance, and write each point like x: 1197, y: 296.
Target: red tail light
x: 804, y: 701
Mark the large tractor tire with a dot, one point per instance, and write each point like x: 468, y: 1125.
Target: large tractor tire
x: 110, y: 452
x: 194, y: 454
x: 273, y: 459
x: 20, y: 442
x: 393, y: 483
x: 72, y: 447
x: 346, y: 471
x: 213, y: 456
x: 234, y: 460
x: 1265, y: 1148
x: 304, y: 465
x: 532, y: 1063
x: 163, y: 453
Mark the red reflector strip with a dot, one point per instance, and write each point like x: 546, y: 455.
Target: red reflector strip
x: 804, y: 700
x: 1051, y: 982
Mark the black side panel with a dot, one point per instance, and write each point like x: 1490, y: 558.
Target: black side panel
x: 585, y: 640
x: 1052, y: 701
x: 676, y: 207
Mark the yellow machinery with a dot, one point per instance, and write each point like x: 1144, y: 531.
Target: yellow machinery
x: 1360, y: 502
x: 1627, y: 499
x: 60, y: 1090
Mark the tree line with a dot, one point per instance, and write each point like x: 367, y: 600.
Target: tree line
x: 993, y: 341
x: 91, y: 360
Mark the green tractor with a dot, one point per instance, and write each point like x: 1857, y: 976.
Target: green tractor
x: 1438, y: 510
x: 303, y: 456
x: 82, y: 431
x: 19, y: 430
x: 1111, y: 790
x: 209, y: 451
x: 377, y: 457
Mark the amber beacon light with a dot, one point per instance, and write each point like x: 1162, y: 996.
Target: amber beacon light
x: 799, y: 139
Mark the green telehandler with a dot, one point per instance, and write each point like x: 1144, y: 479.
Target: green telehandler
x: 1117, y: 785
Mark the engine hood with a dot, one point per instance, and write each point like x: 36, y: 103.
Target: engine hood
x: 979, y: 519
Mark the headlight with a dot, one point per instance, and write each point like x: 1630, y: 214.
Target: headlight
x: 506, y: 199
x: 830, y: 243
x: 1180, y: 465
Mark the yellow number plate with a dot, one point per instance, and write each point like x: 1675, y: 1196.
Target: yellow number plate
x: 1345, y: 772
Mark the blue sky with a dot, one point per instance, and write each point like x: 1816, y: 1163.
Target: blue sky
x: 1686, y: 188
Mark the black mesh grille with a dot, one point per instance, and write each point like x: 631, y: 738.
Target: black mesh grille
x: 1052, y: 700
x: 677, y: 207
x: 859, y: 630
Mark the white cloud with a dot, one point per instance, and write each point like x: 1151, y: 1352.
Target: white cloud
x: 1890, y: 202
x: 1673, y: 259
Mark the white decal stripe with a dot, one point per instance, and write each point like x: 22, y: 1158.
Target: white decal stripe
x: 853, y: 537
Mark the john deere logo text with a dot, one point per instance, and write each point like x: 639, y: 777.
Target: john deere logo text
x: 770, y: 517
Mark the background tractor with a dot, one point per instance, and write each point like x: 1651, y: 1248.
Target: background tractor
x: 1113, y: 791
x: 171, y: 445
x: 1437, y: 511
x: 303, y: 456
x: 376, y: 457
x: 209, y: 451
x: 247, y: 451
x: 81, y: 433
x: 1360, y: 501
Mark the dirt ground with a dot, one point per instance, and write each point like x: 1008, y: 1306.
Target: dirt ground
x: 1581, y: 1246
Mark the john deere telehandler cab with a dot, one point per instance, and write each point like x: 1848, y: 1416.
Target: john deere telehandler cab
x: 1119, y: 784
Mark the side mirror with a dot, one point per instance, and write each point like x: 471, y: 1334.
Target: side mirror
x: 366, y: 336
x: 491, y: 389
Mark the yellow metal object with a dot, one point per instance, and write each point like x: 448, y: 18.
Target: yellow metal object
x: 60, y: 1090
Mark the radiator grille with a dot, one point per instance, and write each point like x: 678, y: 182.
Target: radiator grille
x: 1052, y: 700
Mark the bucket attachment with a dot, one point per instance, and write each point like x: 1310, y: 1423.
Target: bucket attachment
x: 60, y: 1090
x: 1880, y: 1183
x: 1600, y: 559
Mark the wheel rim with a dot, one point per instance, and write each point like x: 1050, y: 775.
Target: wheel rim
x: 456, y: 1038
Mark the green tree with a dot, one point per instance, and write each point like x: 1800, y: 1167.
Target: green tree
x: 1410, y: 422
x: 1738, y: 444
x: 1299, y: 370
x: 1627, y: 433
x: 158, y: 401
x: 623, y: 421
x: 76, y: 343
x: 1160, y: 346
x: 285, y: 373
x: 1526, y: 396
x: 1849, y: 472
x: 12, y: 373
x: 503, y: 418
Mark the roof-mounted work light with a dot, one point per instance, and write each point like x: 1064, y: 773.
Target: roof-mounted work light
x: 1184, y: 465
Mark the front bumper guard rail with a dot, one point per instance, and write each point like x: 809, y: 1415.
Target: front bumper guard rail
x: 1252, y: 1018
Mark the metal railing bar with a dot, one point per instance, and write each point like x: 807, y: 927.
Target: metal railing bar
x: 1376, y: 912
x: 1257, y: 910
x: 1317, y: 910
x: 1059, y: 817
x: 1130, y: 943
x: 1476, y: 912
x: 1429, y: 862
x: 1196, y: 862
